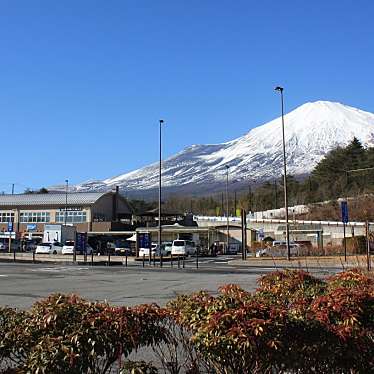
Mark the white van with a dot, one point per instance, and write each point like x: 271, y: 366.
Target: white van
x: 183, y: 248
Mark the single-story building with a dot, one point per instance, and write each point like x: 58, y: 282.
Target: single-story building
x: 88, y: 211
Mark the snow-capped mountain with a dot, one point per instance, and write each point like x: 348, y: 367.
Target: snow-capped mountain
x: 311, y: 131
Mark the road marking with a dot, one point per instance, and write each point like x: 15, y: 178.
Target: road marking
x: 60, y: 269
x: 4, y: 275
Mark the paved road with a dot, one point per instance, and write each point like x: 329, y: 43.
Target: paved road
x: 22, y: 284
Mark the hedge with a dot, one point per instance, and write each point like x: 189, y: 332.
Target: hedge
x: 293, y: 323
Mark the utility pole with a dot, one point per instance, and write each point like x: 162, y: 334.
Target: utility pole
x: 12, y: 188
x: 276, y: 193
x: 280, y: 89
x: 244, y: 233
x: 234, y: 203
x: 368, y: 246
x: 249, y: 199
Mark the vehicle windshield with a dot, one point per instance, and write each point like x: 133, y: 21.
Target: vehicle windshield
x: 46, y: 245
x: 69, y: 243
x: 179, y: 243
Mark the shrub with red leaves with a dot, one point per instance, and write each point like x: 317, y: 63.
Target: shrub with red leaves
x: 294, y: 323
x: 66, y: 334
x: 347, y: 311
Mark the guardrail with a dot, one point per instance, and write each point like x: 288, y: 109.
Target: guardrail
x: 269, y: 220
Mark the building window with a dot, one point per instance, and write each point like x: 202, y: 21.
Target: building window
x: 71, y: 217
x: 6, y: 217
x: 27, y: 217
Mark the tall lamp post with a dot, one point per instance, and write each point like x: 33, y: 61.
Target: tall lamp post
x: 159, y: 190
x: 66, y: 200
x: 227, y: 208
x: 280, y: 89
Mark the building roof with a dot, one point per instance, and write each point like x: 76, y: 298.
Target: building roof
x: 48, y: 199
x: 154, y: 213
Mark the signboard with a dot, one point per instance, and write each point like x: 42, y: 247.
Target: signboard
x: 71, y: 209
x: 10, y: 226
x: 81, y: 241
x: 344, y: 211
x: 261, y: 234
x: 52, y: 227
x: 31, y: 227
x: 6, y: 235
x: 144, y: 240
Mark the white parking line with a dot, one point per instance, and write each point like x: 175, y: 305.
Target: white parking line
x: 60, y: 269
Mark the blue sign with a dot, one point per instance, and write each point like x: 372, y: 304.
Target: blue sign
x: 10, y: 226
x: 261, y: 234
x: 81, y: 242
x: 31, y: 227
x: 144, y: 240
x: 344, y: 209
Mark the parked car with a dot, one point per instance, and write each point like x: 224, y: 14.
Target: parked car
x: 183, y: 248
x: 49, y: 248
x: 30, y: 245
x: 233, y: 249
x: 279, y: 250
x: 166, y: 248
x: 68, y: 249
x: 145, y: 251
x: 277, y: 243
x: 108, y: 248
x: 122, y: 247
x: 15, y: 245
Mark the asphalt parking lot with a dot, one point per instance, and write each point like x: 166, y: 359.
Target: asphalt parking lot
x: 21, y: 284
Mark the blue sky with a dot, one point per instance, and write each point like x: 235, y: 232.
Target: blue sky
x: 84, y: 83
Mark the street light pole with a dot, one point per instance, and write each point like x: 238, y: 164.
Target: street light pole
x: 159, y: 190
x: 66, y: 200
x: 280, y: 89
x: 227, y: 208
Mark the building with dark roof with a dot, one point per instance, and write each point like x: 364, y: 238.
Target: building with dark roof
x: 88, y: 211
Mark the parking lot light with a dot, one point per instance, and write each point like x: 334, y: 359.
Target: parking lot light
x: 66, y: 200
x: 280, y: 90
x: 159, y: 191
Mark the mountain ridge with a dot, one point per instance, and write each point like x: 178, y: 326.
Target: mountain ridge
x: 311, y: 130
